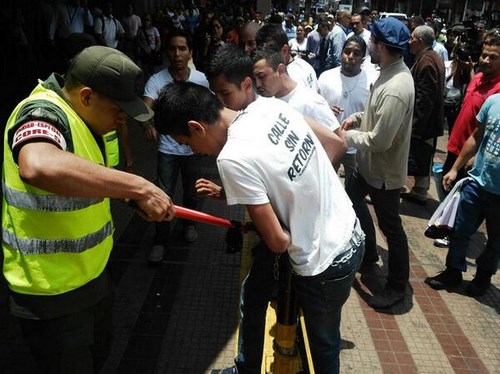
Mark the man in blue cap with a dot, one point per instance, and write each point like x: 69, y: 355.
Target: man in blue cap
x: 381, y: 135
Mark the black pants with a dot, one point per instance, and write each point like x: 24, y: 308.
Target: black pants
x: 386, y: 204
x: 78, y: 343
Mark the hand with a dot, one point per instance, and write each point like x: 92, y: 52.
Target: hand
x: 151, y: 133
x: 470, y: 163
x: 156, y: 206
x: 448, y: 179
x: 347, y: 124
x: 336, y: 110
x: 208, y: 188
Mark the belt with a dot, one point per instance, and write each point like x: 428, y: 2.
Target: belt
x: 357, y: 237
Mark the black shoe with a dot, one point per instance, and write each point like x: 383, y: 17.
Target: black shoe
x: 231, y: 370
x: 480, y: 284
x: 411, y: 197
x: 447, y: 279
x: 387, y: 298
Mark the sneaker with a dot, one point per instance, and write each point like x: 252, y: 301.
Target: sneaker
x: 368, y: 199
x: 480, y: 284
x: 387, y: 298
x: 442, y: 243
x: 231, y: 370
x: 190, y: 234
x: 447, y: 279
x: 156, y: 254
x: 414, y: 198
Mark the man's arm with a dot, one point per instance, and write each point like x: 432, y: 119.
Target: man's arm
x: 45, y: 166
x: 388, y: 117
x: 468, y: 151
x: 266, y: 222
x: 333, y: 142
x: 151, y: 133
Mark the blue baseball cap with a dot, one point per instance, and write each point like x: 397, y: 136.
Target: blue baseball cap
x: 391, y: 32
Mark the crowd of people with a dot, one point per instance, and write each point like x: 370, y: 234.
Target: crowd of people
x: 290, y: 108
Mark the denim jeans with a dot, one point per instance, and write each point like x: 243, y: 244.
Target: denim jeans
x: 475, y: 205
x: 386, y: 204
x: 321, y: 298
x: 168, y: 169
x: 256, y: 292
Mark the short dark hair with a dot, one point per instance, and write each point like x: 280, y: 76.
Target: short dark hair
x: 175, y: 32
x: 231, y: 61
x: 179, y: 103
x: 492, y: 37
x: 356, y: 39
x: 272, y: 57
x: 273, y: 33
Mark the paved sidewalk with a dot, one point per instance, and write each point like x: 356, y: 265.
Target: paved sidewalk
x: 181, y: 317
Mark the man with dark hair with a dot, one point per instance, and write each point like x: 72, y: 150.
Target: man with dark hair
x: 272, y: 80
x: 358, y: 28
x: 174, y: 158
x: 346, y: 89
x: 484, y: 84
x: 57, y: 229
x: 273, y: 36
x: 381, y: 136
x: 479, y: 201
x: 283, y: 184
x: 229, y: 73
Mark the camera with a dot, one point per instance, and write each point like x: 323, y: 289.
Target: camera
x: 463, y: 53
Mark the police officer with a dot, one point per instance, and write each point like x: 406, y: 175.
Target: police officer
x: 57, y: 229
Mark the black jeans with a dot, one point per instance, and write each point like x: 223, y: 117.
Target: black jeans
x: 386, y: 204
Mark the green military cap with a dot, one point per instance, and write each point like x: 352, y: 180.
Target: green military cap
x: 112, y: 74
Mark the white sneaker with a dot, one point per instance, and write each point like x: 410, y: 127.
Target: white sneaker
x: 156, y: 254
x: 442, y: 243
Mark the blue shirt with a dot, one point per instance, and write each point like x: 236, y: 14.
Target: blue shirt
x: 486, y: 169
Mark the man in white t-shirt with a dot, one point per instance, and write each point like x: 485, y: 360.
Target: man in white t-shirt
x: 351, y: 95
x: 107, y: 29
x: 272, y: 79
x: 358, y: 28
x: 273, y: 36
x: 172, y: 156
x: 272, y: 162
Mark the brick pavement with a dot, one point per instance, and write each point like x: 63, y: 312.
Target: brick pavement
x: 181, y: 317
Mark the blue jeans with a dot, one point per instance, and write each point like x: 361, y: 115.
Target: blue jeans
x: 475, y: 205
x: 168, y: 169
x: 386, y: 204
x: 321, y: 298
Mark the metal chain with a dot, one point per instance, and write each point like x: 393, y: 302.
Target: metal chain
x: 276, y: 267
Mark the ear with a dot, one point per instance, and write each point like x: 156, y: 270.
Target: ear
x: 247, y: 84
x: 85, y: 95
x: 285, y: 51
x: 196, y: 128
x: 281, y: 69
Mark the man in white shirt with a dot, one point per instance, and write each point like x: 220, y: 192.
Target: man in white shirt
x: 273, y: 36
x: 107, y: 29
x: 358, y: 28
x: 351, y: 95
x: 272, y: 162
x: 172, y: 156
x: 271, y: 79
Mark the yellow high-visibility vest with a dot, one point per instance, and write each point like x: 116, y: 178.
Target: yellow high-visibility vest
x: 53, y: 244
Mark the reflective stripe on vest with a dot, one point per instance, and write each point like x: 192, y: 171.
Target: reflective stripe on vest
x: 46, y: 203
x: 30, y: 246
x: 112, y: 149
